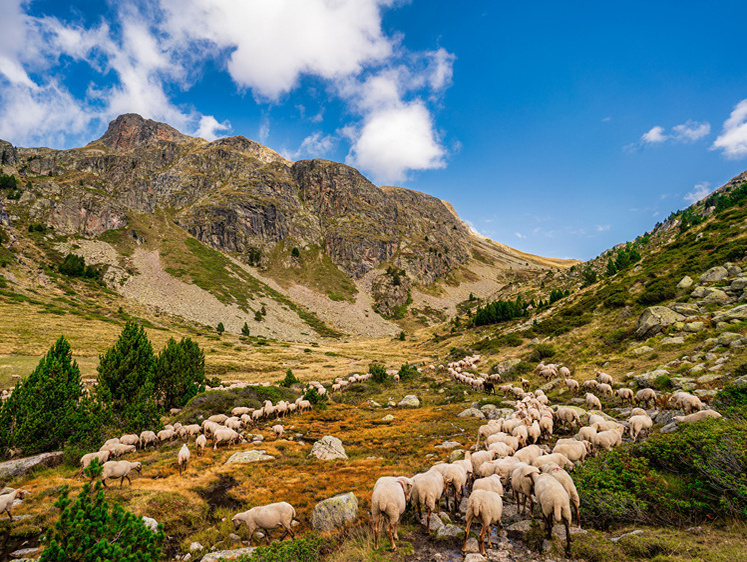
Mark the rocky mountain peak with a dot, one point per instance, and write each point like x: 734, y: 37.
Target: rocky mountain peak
x: 131, y: 130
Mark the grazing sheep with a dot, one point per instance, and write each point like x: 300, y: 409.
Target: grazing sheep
x: 604, y: 378
x: 568, y: 415
x: 455, y: 476
x: 521, y: 433
x: 625, y: 395
x: 225, y: 435
x: 644, y: 396
x: 148, y: 438
x: 6, y: 501
x: 586, y: 433
x: 636, y: 424
x: 546, y: 424
x: 200, y: 443
x: 697, y: 416
x: 240, y: 410
x: 567, y: 482
x: 490, y: 483
x: 267, y: 517
x: 396, y: 378
x: 480, y: 457
x: 233, y: 423
x: 109, y: 443
x: 555, y: 505
x: 574, y: 450
x: 558, y: 458
x: 183, y: 458
x: 572, y: 385
x: 427, y: 489
x: 130, y: 439
x: 607, y: 439
x: 278, y: 430
x: 119, y: 469
x: 389, y: 499
x: 85, y: 460
x: 188, y: 431
x: 119, y: 449
x: 592, y: 402
x: 488, y: 508
x: 523, y: 487
x: 218, y: 418
x: 165, y: 435
x: 690, y: 404
x: 605, y: 388
x: 529, y: 453
x: 564, y: 372
x: 500, y: 449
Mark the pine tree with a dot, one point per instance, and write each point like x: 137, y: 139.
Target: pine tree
x: 220, y: 328
x: 89, y: 530
x: 245, y: 330
x: 43, y: 411
x: 126, y: 381
x: 179, y: 373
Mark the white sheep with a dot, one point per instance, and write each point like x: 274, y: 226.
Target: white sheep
x: 200, y: 443
x: 267, y: 517
x: 278, y: 430
x: 109, y: 442
x: 607, y: 439
x: 523, y: 487
x: 529, y: 453
x: 558, y: 458
x: 555, y: 504
x: 189, y: 431
x: 568, y: 415
x: 6, y: 501
x: 697, y: 416
x: 130, y: 439
x: 605, y: 388
x: 119, y: 469
x: 574, y: 450
x: 487, y: 507
x: 166, y: 435
x: 119, y: 449
x: 592, y: 402
x: 240, y: 410
x: 490, y: 483
x: 644, y: 396
x: 586, y: 433
x: 572, y: 385
x: 456, y: 477
x: 218, y: 418
x: 183, y: 458
x: 225, y: 435
x: 85, y: 460
x: 625, y: 395
x: 427, y: 489
x: 636, y: 424
x: 604, y: 378
x: 147, y: 438
x: 567, y: 482
x: 389, y: 499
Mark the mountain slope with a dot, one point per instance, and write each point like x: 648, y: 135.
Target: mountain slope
x: 313, y: 242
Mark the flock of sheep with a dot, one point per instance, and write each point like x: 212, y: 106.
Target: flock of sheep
x: 515, y: 459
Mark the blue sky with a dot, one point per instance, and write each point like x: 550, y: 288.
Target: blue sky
x: 558, y: 128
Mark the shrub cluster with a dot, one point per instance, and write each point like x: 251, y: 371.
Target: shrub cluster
x: 500, y: 311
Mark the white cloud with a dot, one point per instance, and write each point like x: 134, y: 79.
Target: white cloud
x: 691, y: 131
x: 520, y: 235
x: 700, y: 191
x: 316, y: 145
x: 393, y: 141
x: 602, y: 227
x: 210, y: 127
x: 733, y: 139
x: 655, y: 135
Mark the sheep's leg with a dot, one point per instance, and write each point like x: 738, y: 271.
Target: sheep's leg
x: 375, y: 525
x: 417, y: 509
x: 267, y: 536
x: 567, y: 538
x: 578, y: 515
x: 7, y: 510
x: 466, y: 532
x: 103, y: 481
x: 548, y: 526
x: 428, y: 519
x: 128, y: 479
x: 481, y: 539
x: 390, y: 531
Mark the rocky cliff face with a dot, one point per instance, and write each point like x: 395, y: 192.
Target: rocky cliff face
x: 236, y: 195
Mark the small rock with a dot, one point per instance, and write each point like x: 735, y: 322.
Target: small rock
x: 448, y: 445
x: 636, y: 532
x: 683, y: 383
x: 151, y: 523
x: 387, y: 418
x: 715, y: 296
x: 253, y: 455
x: 228, y: 554
x: 641, y: 350
x: 334, y: 512
x: 685, y: 283
x: 673, y: 340
x: 329, y: 448
x: 646, y: 380
x: 456, y: 454
x: 450, y: 531
x: 195, y: 546
x: 410, y: 400
x: 471, y: 412
x: 234, y: 537
x: 707, y: 379
x: 436, y: 523
x: 472, y: 545
x: 727, y: 337
x: 714, y: 274
x: 475, y: 557
x: 694, y: 327
x: 739, y: 284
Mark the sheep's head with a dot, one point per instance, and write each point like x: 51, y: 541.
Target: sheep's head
x: 22, y: 493
x: 137, y: 466
x: 236, y: 523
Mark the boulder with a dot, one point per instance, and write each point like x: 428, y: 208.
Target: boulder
x: 249, y: 456
x: 641, y: 350
x: 328, y: 448
x: 151, y: 523
x: 708, y: 379
x: 714, y: 274
x: 686, y: 308
x: 646, y: 380
x: 228, y: 554
x: 487, y: 408
x: 471, y: 412
x: 727, y: 337
x: 450, y: 531
x: 698, y: 293
x: 736, y: 313
x: 410, y: 400
x: 334, y: 512
x: 20, y: 467
x: 740, y: 381
x: 436, y: 522
x: 472, y: 545
x: 694, y: 327
x: 683, y: 383
x: 715, y: 296
x: 388, y: 418
x: 474, y: 557
x: 685, y: 283
x: 654, y: 319
x: 448, y: 445
x: 456, y: 454
x: 739, y: 285
x: 673, y: 340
